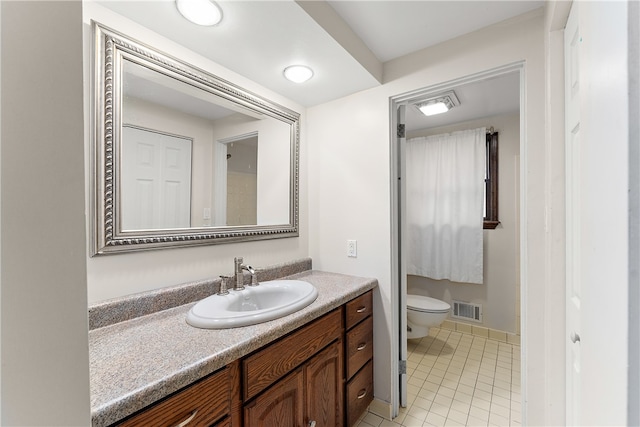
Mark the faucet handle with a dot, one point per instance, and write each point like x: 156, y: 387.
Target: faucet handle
x: 224, y: 283
x: 254, y: 277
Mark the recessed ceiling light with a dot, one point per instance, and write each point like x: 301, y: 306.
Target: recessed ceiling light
x: 434, y: 107
x: 438, y: 104
x: 201, y: 12
x: 298, y: 73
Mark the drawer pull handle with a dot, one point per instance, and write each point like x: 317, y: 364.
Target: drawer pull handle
x: 312, y: 424
x: 188, y: 420
x: 362, y: 394
x: 361, y: 346
x: 361, y: 309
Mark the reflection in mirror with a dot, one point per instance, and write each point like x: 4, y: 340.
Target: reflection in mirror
x: 156, y: 179
x: 242, y: 180
x: 196, y: 160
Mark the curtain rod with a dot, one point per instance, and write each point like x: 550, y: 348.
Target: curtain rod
x: 489, y: 131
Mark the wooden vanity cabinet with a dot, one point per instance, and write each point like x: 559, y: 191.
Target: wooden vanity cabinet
x: 312, y: 393
x: 322, y: 372
x: 298, y: 380
x: 272, y: 362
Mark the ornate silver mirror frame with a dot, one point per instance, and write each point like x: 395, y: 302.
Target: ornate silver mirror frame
x: 111, y: 51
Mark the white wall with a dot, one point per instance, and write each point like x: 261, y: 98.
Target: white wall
x: 349, y: 182
x: 45, y: 361
x: 634, y: 215
x: 499, y: 292
x: 0, y: 221
x: 122, y: 274
x: 273, y: 177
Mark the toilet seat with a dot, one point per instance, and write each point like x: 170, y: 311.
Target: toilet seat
x: 427, y: 304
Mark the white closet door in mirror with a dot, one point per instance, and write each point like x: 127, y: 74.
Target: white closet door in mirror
x: 156, y: 180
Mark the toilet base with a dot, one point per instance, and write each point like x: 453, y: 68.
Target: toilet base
x: 414, y: 331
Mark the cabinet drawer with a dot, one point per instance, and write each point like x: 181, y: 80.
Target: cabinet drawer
x: 203, y: 403
x: 359, y: 393
x: 263, y: 368
x: 358, y: 309
x: 359, y: 346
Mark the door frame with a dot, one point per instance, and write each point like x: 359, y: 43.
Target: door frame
x: 398, y: 263
x: 572, y: 228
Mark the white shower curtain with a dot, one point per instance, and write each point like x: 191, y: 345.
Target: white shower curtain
x: 445, y: 191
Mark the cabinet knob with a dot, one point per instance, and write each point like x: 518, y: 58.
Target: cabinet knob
x: 312, y: 424
x: 188, y: 420
x: 575, y: 337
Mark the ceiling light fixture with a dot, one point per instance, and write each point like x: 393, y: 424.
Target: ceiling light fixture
x: 201, y: 12
x: 438, y: 104
x: 298, y: 73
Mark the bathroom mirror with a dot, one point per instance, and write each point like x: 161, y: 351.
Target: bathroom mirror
x: 183, y: 157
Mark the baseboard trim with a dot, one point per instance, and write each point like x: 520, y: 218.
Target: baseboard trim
x: 481, y: 331
x: 381, y: 408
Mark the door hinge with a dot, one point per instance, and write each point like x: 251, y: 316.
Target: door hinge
x: 401, y: 131
x: 402, y: 367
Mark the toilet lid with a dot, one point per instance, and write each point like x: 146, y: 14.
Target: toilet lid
x: 427, y: 304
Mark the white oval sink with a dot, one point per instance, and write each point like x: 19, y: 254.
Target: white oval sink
x: 255, y: 304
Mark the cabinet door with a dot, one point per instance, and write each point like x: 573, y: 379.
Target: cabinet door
x: 323, y: 375
x: 280, y: 406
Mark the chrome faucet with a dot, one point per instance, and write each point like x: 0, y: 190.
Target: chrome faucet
x: 239, y: 273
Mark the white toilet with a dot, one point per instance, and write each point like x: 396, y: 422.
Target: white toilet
x: 424, y: 313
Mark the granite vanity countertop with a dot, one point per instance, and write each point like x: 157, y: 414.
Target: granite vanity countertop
x: 139, y: 361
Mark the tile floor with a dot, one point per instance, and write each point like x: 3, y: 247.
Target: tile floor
x: 458, y: 379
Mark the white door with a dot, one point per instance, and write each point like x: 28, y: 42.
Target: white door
x: 156, y: 180
x: 597, y: 172
x: 573, y: 213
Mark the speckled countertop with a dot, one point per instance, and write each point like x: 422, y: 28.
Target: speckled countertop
x: 139, y: 361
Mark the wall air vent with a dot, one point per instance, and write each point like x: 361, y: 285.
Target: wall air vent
x: 467, y: 311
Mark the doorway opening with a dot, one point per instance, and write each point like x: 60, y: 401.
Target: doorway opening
x: 489, y: 98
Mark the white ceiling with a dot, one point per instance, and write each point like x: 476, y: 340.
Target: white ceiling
x: 345, y: 42
x: 396, y: 28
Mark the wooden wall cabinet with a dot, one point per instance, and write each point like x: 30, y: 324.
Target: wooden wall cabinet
x: 318, y: 375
